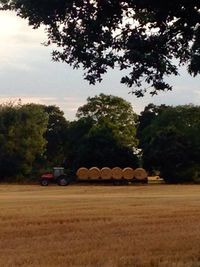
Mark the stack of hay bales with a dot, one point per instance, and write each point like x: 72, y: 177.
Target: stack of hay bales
x: 94, y: 173
x: 128, y: 173
x: 117, y: 173
x: 140, y: 174
x: 82, y: 173
x: 106, y: 173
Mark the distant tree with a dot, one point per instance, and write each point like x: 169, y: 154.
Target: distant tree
x: 101, y: 148
x: 112, y: 112
x: 75, y: 137
x: 55, y: 135
x: 144, y: 38
x: 171, y: 143
x: 22, y: 129
x: 104, y: 134
x: 146, y: 117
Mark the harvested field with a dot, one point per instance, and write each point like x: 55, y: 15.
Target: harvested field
x: 100, y: 226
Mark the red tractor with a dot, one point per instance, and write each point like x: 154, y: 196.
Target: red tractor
x: 57, y: 176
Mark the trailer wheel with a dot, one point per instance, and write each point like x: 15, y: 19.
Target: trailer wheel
x: 44, y: 182
x: 63, y: 181
x: 116, y: 182
x: 145, y: 181
x: 125, y: 182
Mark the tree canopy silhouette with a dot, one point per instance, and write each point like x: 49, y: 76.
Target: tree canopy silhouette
x: 170, y: 142
x: 114, y: 113
x: 143, y: 37
x: 104, y: 134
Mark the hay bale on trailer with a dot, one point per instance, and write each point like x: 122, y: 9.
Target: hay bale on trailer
x: 82, y: 173
x: 94, y: 173
x: 128, y: 173
x: 106, y: 173
x: 140, y: 174
x: 117, y: 173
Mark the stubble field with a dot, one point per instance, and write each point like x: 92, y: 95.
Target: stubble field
x: 100, y: 226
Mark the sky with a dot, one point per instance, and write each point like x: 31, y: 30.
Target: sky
x: 27, y: 72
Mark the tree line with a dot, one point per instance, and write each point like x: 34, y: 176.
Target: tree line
x: 106, y: 132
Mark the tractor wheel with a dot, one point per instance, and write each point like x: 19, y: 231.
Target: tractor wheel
x: 63, y: 181
x: 44, y: 182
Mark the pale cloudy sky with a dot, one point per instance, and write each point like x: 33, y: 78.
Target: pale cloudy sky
x: 27, y: 72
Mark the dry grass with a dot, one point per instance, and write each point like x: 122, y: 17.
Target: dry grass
x: 100, y: 226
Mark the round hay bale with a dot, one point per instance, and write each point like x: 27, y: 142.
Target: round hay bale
x: 82, y: 173
x: 128, y: 173
x: 106, y: 173
x: 140, y: 174
x: 94, y: 173
x: 117, y: 173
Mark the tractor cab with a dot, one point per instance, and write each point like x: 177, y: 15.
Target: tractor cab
x: 58, y: 176
x: 58, y: 171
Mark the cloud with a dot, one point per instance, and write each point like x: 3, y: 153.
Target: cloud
x: 68, y: 105
x: 17, y: 29
x: 17, y: 38
x: 27, y: 99
x: 73, y: 102
x: 197, y: 97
